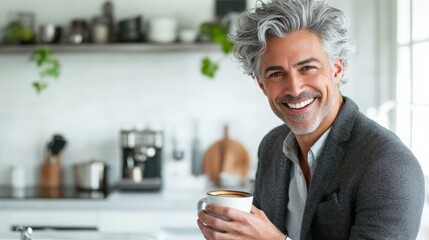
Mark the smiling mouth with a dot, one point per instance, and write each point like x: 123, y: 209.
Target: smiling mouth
x: 300, y: 104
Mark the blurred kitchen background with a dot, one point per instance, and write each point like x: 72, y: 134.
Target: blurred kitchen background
x: 117, y: 92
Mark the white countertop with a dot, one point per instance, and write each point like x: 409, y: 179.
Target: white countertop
x: 165, y: 199
x: 184, y: 196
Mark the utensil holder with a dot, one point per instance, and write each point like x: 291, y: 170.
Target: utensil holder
x: 50, y: 175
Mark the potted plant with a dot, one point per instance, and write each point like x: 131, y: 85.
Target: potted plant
x: 216, y: 33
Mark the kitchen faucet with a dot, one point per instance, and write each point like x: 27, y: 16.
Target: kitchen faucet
x: 25, y: 232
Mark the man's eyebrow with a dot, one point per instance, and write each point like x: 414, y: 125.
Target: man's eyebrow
x: 306, y: 61
x: 303, y: 62
x: 273, y: 68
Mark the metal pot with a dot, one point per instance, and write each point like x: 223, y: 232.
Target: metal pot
x: 91, y: 175
x: 49, y: 33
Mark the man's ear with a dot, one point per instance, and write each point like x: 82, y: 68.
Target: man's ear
x: 338, y: 69
x: 261, y: 86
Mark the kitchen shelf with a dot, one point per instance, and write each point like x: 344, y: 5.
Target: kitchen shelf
x: 114, y: 48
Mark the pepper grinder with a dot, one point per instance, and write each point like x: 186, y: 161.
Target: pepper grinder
x: 108, y: 15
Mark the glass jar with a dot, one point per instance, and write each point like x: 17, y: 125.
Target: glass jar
x: 78, y: 32
x: 100, y: 30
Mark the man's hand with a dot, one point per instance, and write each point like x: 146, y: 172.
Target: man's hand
x: 242, y: 225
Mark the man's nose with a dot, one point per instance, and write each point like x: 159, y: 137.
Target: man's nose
x: 295, y: 85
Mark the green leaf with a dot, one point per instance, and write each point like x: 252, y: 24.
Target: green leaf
x: 206, y: 27
x: 218, y: 34
x: 39, y: 86
x: 48, y: 67
x: 208, y: 67
x: 41, y: 55
x: 227, y: 46
x: 53, y: 70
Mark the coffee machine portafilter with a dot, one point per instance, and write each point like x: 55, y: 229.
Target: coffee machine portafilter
x: 141, y: 159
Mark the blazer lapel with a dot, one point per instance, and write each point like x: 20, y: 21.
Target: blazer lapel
x: 327, y: 166
x: 328, y: 163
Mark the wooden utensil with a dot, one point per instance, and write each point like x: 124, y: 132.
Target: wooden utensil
x: 226, y: 155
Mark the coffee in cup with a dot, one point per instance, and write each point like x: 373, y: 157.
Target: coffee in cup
x: 228, y: 198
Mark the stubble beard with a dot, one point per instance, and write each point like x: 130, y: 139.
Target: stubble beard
x: 302, y: 130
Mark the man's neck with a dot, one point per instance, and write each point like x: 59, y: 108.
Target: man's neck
x: 306, y: 141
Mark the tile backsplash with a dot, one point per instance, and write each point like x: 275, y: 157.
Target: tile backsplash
x: 97, y: 95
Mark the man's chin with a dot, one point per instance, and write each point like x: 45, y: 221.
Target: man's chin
x: 302, y: 130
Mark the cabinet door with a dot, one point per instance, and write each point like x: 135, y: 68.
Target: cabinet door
x: 48, y: 219
x: 146, y: 221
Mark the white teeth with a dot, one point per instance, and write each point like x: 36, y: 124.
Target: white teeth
x: 301, y: 104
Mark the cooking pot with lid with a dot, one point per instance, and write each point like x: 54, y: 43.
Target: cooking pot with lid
x: 91, y: 175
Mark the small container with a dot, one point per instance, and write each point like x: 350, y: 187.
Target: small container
x: 188, y: 35
x: 91, y: 175
x: 78, y: 32
x: 100, y: 30
x: 130, y: 30
x: 17, y: 177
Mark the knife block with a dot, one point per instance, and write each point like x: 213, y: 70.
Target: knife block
x: 51, y: 173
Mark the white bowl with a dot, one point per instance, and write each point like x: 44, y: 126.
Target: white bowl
x: 158, y: 37
x: 187, y: 35
x: 162, y: 30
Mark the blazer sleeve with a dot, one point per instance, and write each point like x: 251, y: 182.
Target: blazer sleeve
x: 390, y: 198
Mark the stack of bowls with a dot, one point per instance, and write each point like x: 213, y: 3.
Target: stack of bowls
x: 162, y: 30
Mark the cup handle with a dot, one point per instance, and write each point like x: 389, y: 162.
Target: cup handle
x: 203, y: 201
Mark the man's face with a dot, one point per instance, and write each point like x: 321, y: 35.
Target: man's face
x: 300, y: 82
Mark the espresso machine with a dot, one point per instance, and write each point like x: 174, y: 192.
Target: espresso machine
x: 141, y: 159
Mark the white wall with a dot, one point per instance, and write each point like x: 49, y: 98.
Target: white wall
x: 100, y: 94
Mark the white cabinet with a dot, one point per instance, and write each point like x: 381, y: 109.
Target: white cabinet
x: 171, y: 212
x: 146, y: 221
x: 99, y: 220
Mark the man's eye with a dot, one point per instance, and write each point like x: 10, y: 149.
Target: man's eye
x: 307, y: 68
x: 276, y: 75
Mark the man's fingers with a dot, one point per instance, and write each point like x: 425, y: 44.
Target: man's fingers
x: 229, y: 213
x: 211, y: 221
x: 211, y: 233
x: 257, y: 211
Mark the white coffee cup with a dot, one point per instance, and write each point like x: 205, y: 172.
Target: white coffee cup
x: 227, y: 198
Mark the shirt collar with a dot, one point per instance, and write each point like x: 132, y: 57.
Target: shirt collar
x: 290, y: 146
x: 317, y: 147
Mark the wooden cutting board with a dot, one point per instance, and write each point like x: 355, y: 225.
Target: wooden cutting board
x: 226, y: 155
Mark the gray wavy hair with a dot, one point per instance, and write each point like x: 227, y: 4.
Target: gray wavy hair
x: 280, y: 17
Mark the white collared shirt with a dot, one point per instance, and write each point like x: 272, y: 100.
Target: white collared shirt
x: 297, y: 183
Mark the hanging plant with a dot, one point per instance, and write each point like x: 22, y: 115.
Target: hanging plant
x: 217, y: 34
x: 49, y: 67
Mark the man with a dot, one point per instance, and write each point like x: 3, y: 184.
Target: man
x: 329, y: 172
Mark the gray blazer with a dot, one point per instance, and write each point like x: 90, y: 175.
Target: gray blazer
x: 367, y: 184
